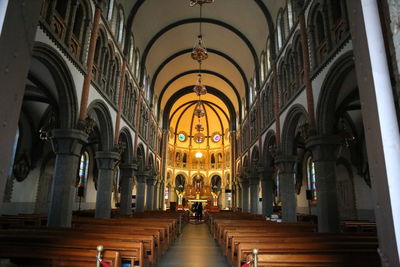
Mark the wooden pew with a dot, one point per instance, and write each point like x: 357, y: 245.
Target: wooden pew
x: 149, y: 250
x: 329, y: 248
x: 223, y: 229
x: 153, y: 246
x: 234, y: 239
x: 28, y: 255
x: 320, y: 259
x: 358, y: 226
x: 129, y: 250
x: 323, y: 239
x: 165, y: 227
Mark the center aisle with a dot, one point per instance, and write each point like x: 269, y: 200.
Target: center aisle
x: 194, y: 248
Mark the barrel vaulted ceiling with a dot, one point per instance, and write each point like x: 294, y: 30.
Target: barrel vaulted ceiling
x: 234, y: 31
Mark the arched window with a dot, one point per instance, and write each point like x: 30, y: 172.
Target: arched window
x: 251, y: 91
x: 279, y: 31
x: 110, y: 9
x: 300, y: 68
x: 61, y: 8
x: 137, y: 63
x: 270, y: 99
x: 283, y: 84
x: 264, y: 108
x: 291, y: 14
x: 292, y: 73
x: 127, y: 96
x: 131, y: 52
x: 82, y: 174
x: 184, y: 159
x: 115, y: 85
x: 78, y: 23
x: 120, y: 26
x: 336, y: 11
x: 116, y: 186
x: 132, y: 106
x: 339, y: 23
x: 311, y: 179
x: 262, y: 67
x: 320, y: 28
x: 277, y: 194
x: 79, y: 14
x: 268, y: 57
x: 105, y: 67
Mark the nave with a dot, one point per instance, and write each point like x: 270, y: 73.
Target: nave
x: 163, y: 239
x: 276, y: 110
x: 195, y: 248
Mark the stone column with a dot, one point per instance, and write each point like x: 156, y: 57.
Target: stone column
x: 222, y: 199
x: 156, y: 195
x: 244, y: 185
x: 254, y: 180
x: 140, y: 191
x: 67, y: 145
x: 325, y: 151
x: 238, y: 198
x: 150, y: 181
x: 267, y: 193
x: 16, y: 56
x: 287, y: 187
x: 105, y: 163
x: 127, y: 173
x: 380, y: 124
x: 161, y: 196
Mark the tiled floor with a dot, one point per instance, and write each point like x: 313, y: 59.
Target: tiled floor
x: 194, y: 248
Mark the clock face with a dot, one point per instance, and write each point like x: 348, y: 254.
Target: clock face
x: 216, y: 138
x: 182, y: 137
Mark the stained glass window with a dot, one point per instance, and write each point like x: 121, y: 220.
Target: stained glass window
x: 182, y: 137
x: 311, y: 178
x: 83, y: 173
x: 216, y: 138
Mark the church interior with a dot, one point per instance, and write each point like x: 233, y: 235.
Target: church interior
x: 199, y: 133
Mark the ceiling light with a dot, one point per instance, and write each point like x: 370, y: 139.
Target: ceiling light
x: 199, y: 89
x: 200, y: 2
x: 199, y: 52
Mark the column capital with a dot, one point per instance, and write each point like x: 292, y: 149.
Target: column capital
x: 129, y: 166
x: 286, y: 163
x: 324, y: 147
x: 151, y: 181
x: 106, y: 160
x: 141, y: 177
x: 128, y: 170
x: 68, y: 141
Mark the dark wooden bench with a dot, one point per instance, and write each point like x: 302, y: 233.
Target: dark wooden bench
x: 351, y: 249
x: 43, y: 256
x: 129, y: 250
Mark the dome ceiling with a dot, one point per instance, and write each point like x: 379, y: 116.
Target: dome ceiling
x: 183, y: 121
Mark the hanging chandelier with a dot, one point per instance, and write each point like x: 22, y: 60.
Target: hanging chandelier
x: 199, y: 52
x: 199, y: 112
x: 199, y: 138
x: 199, y: 88
x: 200, y: 2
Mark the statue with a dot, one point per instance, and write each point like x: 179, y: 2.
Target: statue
x: 198, y: 182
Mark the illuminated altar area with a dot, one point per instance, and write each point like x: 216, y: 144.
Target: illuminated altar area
x: 198, y: 157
